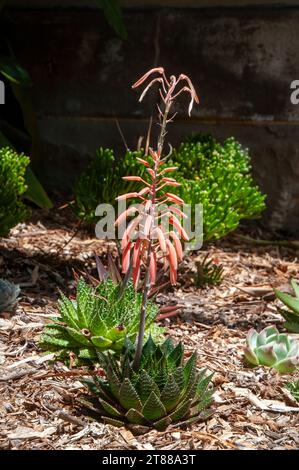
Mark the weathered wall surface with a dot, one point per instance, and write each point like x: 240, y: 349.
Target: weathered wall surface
x: 242, y: 60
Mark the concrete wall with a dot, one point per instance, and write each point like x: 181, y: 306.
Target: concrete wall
x: 242, y: 61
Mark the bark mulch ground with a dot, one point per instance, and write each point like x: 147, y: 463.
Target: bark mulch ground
x: 251, y: 409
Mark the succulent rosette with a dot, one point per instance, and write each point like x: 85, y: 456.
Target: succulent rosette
x: 166, y: 389
x: 272, y: 349
x: 9, y: 293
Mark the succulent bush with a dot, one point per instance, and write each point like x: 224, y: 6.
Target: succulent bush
x: 9, y: 293
x: 12, y: 187
x: 219, y: 177
x: 293, y: 388
x: 98, y: 320
x: 102, y: 181
x: 164, y: 390
x: 208, y: 273
x: 273, y: 349
x: 292, y: 303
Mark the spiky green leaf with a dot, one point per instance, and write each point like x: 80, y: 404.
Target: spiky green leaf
x: 68, y: 312
x: 170, y: 395
x: 135, y: 417
x: 176, y: 356
x: 288, y: 300
x: 114, y: 422
x: 78, y: 336
x: 128, y: 396
x: 109, y: 409
x: 153, y: 408
x: 181, y: 411
x: 146, y: 385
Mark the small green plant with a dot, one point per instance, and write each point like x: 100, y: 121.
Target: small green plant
x: 208, y: 273
x: 218, y: 177
x: 292, y: 303
x: 273, y: 349
x: 98, y: 320
x: 12, y: 187
x: 102, y: 181
x: 293, y: 388
x: 9, y: 293
x: 95, y: 185
x: 164, y: 390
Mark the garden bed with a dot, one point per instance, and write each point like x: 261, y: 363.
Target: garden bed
x: 251, y: 409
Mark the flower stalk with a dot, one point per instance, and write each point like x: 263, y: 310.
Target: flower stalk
x: 146, y: 240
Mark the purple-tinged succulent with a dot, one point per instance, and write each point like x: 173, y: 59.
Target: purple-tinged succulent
x: 9, y: 293
x: 272, y: 349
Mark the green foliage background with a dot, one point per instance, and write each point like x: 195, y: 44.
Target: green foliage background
x: 215, y: 175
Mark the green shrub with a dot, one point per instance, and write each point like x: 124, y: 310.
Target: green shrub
x: 98, y: 320
x: 219, y: 177
x: 12, y: 187
x: 163, y: 391
x: 102, y: 182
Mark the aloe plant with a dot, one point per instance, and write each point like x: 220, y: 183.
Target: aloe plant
x: 292, y: 303
x: 165, y: 390
x: 273, y: 349
x: 98, y: 320
x: 218, y: 176
x: 151, y: 386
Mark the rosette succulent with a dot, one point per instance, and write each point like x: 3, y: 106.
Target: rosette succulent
x: 292, y: 303
x: 273, y: 349
x: 164, y: 390
x: 9, y: 293
x: 98, y: 320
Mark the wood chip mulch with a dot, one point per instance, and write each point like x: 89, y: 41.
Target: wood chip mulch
x: 251, y: 409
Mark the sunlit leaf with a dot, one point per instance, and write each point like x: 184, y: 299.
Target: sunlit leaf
x: 13, y: 71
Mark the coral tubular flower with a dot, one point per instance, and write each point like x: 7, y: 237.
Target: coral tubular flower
x: 174, y: 198
x: 146, y: 242
x: 123, y: 197
x: 130, y: 211
x: 146, y: 75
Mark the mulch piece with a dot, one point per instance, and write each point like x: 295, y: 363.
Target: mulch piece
x: 251, y: 408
